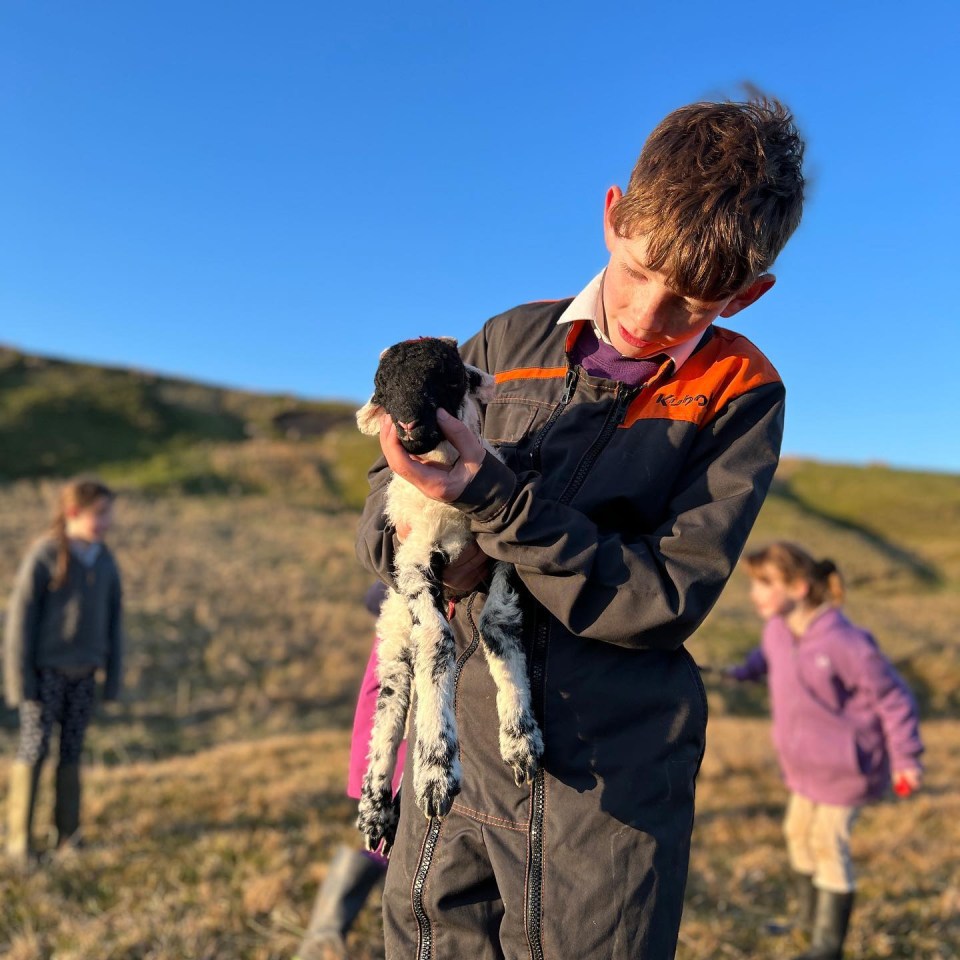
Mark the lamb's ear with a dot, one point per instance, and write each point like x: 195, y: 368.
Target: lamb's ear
x: 451, y: 340
x: 368, y: 417
x: 481, y: 384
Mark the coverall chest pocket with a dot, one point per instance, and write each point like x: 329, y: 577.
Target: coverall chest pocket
x: 510, y: 422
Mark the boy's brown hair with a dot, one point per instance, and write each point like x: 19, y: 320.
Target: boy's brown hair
x: 717, y: 191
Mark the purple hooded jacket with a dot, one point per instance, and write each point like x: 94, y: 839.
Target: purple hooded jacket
x: 842, y: 716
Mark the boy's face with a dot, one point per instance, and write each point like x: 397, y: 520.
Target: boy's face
x: 91, y: 523
x: 772, y: 595
x: 643, y: 314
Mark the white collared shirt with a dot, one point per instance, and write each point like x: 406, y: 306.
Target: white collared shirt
x: 586, y: 306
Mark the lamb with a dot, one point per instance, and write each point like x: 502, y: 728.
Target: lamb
x: 414, y: 379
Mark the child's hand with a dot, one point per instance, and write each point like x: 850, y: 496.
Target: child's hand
x: 906, y: 782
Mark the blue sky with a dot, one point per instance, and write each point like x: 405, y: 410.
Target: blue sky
x: 266, y: 194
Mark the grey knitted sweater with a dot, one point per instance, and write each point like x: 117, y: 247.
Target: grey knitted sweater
x: 77, y: 625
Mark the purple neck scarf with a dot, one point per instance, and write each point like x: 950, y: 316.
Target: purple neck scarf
x: 600, y: 359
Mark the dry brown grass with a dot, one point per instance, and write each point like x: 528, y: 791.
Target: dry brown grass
x: 214, y: 793
x: 243, y: 618
x: 218, y: 855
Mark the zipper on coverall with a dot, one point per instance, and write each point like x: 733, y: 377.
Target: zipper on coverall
x: 533, y: 918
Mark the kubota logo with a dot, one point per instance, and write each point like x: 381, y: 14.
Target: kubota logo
x: 670, y: 400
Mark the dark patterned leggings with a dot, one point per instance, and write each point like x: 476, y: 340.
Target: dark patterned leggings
x: 64, y: 700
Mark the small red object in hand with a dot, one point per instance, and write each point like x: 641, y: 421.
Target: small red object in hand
x: 902, y: 787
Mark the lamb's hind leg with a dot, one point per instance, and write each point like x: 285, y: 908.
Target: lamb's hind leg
x: 521, y: 742
x: 436, y: 759
x: 379, y: 810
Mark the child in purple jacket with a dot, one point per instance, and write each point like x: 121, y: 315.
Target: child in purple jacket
x: 844, y: 723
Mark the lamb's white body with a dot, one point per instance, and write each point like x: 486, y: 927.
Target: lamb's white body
x: 417, y: 649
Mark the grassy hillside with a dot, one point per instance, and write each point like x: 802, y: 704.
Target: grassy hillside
x: 214, y: 792
x: 161, y: 434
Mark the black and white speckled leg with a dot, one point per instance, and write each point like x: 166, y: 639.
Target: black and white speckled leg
x: 521, y: 742
x: 379, y: 810
x: 436, y: 760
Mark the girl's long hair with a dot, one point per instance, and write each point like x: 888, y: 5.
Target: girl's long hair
x: 794, y: 563
x: 78, y: 494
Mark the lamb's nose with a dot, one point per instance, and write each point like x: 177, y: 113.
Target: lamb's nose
x: 406, y: 427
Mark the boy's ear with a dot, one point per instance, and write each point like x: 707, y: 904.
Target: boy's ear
x: 612, y: 198
x: 368, y: 417
x: 749, y: 295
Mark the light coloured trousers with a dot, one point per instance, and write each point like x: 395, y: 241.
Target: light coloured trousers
x: 818, y: 842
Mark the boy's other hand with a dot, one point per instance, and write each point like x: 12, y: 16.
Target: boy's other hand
x: 467, y: 572
x: 434, y: 480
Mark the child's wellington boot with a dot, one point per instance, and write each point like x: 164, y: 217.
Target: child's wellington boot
x: 830, y: 924
x: 21, y: 800
x: 806, y: 901
x: 350, y: 878
x: 66, y: 813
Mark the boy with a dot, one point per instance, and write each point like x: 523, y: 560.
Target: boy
x: 639, y: 442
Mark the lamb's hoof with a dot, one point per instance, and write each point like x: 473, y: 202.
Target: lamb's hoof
x: 522, y: 754
x: 436, y: 799
x: 524, y: 770
x: 378, y: 816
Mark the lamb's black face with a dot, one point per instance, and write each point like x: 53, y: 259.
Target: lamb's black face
x: 414, y: 380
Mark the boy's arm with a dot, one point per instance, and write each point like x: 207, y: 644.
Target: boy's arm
x: 23, y: 617
x: 650, y: 590
x: 646, y: 591
x: 114, y: 671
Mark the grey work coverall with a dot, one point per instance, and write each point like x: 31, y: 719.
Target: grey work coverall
x: 624, y: 511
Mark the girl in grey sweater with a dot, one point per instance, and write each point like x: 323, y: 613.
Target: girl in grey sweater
x: 63, y: 624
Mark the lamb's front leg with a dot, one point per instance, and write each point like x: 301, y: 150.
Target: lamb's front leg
x: 521, y: 742
x: 436, y: 759
x: 379, y: 811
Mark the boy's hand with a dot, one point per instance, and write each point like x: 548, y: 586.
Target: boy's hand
x: 467, y: 572
x: 434, y: 480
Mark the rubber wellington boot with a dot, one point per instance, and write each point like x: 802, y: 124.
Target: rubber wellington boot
x: 21, y: 800
x: 806, y: 901
x: 66, y: 812
x: 350, y: 878
x: 830, y: 924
